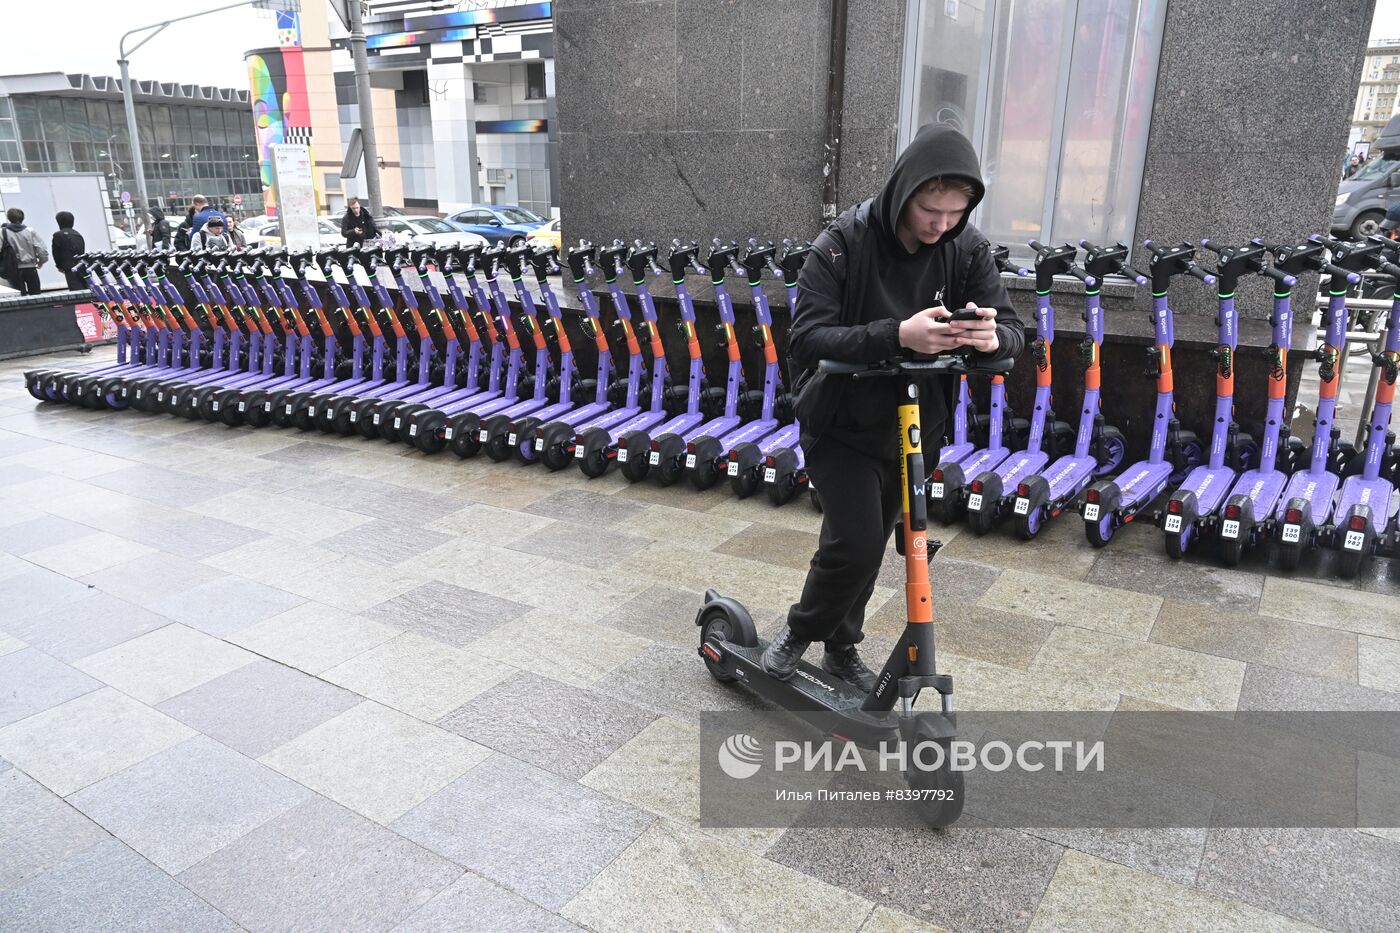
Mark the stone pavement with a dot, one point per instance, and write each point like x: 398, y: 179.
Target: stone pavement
x: 268, y: 680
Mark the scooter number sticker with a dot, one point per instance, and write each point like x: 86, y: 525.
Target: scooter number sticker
x: 242, y: 406
x: 214, y: 406
x: 1292, y: 533
x: 354, y: 416
x: 1022, y: 507
x: 974, y: 501
x: 376, y: 418
x: 512, y: 438
x: 935, y: 490
x: 289, y: 409
x: 1091, y: 512
x: 398, y: 423
x: 622, y: 455
x: 1354, y: 540
x: 579, y: 451
x: 447, y: 434
x: 1173, y: 524
x: 690, y: 461
x: 539, y: 443
x: 655, y: 458
x: 770, y: 474
x: 160, y: 396
x: 733, y: 468
x: 413, y: 430
x: 483, y: 434
x: 311, y: 411
x: 1230, y: 529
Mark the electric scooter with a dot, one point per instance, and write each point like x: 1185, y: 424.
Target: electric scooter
x: 1098, y: 447
x: 963, y: 458
x: 1249, y: 508
x: 1109, y: 504
x: 706, y: 455
x: 1192, y: 509
x: 987, y: 496
x: 1305, y: 507
x: 732, y: 650
x: 1368, y: 500
x: 641, y: 452
x: 755, y: 463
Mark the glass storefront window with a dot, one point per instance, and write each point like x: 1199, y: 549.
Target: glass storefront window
x: 1057, y: 97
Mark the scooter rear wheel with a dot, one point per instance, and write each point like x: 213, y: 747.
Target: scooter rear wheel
x: 1029, y: 524
x: 429, y: 437
x: 718, y: 624
x: 783, y: 488
x: 1231, y: 550
x: 1179, y: 543
x: 1099, y: 532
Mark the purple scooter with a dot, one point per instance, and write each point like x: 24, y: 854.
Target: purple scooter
x: 706, y: 457
x: 1098, y: 447
x: 1368, y: 500
x: 1192, y: 509
x: 990, y: 493
x: 1111, y: 503
x: 1306, y: 504
x: 556, y: 442
x: 112, y: 306
x: 639, y: 452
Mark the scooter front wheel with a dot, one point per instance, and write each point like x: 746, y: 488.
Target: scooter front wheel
x: 939, y: 791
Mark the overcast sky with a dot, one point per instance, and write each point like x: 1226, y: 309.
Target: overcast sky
x: 208, y: 50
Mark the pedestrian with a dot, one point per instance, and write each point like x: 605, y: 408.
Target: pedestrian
x: 182, y: 232
x: 202, y: 213
x: 357, y: 225
x: 67, y: 246
x: 211, y: 235
x: 879, y: 285
x: 160, y: 230
x: 25, y: 253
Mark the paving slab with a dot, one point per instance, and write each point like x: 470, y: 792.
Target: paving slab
x: 540, y: 835
x: 87, y: 739
x: 164, y: 663
x: 555, y: 726
x: 90, y: 622
x: 109, y: 888
x: 224, y: 605
x: 183, y: 804
x: 313, y: 637
x: 475, y: 905
x: 38, y: 829
x: 376, y: 761
x: 319, y: 867
x: 419, y: 676
x: 31, y: 682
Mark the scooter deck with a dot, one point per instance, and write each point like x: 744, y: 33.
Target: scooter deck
x: 956, y: 453
x: 1376, y: 494
x: 1210, y: 487
x: 988, y: 459
x: 1018, y: 466
x: 1263, y: 489
x: 1140, y: 483
x: 1316, y: 488
x: 1068, y: 476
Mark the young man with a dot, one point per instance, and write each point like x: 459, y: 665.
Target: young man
x: 202, y: 213
x: 880, y: 284
x: 211, y: 235
x: 357, y: 225
x: 67, y: 246
x: 27, y: 253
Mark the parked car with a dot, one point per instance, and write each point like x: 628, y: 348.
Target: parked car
x: 546, y: 236
x: 498, y: 223
x: 120, y: 238
x: 1363, y: 199
x: 270, y: 234
x: 425, y: 231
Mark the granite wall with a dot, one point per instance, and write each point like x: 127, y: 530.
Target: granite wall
x: 696, y: 118
x: 1249, y: 127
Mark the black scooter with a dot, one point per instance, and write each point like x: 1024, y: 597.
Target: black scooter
x: 732, y: 650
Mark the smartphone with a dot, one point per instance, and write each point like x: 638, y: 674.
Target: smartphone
x: 966, y: 314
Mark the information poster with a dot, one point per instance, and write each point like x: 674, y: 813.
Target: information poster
x: 296, y: 196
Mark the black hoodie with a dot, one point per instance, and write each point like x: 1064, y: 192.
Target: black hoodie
x: 860, y: 282
x: 160, y: 229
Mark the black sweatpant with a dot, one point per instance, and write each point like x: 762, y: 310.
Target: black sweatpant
x: 28, y: 281
x: 861, y: 502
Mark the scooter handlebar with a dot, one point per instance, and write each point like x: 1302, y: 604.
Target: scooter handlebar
x: 954, y: 363
x: 1337, y: 271
x: 1088, y: 280
x: 1279, y: 276
x: 1198, y: 272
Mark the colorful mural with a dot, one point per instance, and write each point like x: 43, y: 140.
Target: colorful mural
x: 281, y: 111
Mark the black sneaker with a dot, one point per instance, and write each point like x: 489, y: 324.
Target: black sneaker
x: 844, y: 661
x: 782, y: 654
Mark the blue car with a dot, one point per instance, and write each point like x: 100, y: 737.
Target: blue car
x: 498, y: 222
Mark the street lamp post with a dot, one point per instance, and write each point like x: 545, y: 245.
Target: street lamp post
x: 128, y: 98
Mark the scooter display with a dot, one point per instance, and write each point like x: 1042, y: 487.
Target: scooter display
x: 1109, y: 504
x: 732, y: 650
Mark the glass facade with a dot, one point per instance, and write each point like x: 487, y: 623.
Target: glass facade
x: 1057, y: 97
x: 187, y: 148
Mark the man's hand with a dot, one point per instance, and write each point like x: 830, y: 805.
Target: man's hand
x: 928, y: 331
x: 979, y: 334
